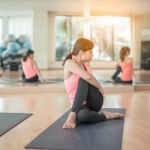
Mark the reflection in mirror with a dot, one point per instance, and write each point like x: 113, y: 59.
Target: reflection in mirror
x: 15, y: 40
x: 124, y: 67
x: 109, y: 34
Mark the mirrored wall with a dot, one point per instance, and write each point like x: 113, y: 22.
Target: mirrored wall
x: 142, y: 75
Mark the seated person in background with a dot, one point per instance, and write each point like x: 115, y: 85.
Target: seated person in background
x: 31, y: 72
x: 125, y: 67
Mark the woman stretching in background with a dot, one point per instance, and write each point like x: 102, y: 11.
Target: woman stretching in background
x: 84, y: 91
x: 31, y: 72
x: 125, y: 67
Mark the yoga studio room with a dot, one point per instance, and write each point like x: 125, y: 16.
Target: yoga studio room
x: 75, y: 74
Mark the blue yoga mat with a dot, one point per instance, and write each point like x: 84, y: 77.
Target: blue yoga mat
x: 10, y: 120
x: 105, y: 135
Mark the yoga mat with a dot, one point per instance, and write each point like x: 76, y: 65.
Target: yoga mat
x: 47, y: 81
x: 107, y: 82
x: 15, y: 81
x: 10, y: 120
x: 105, y: 135
x: 6, y: 81
x: 141, y: 82
x: 55, y: 80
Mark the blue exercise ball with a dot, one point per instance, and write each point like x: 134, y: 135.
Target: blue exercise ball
x: 11, y: 38
x: 6, y: 53
x: 13, y: 47
x: 22, y: 39
x: 27, y: 45
x: 22, y: 51
x: 2, y: 50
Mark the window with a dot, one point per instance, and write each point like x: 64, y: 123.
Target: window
x: 15, y: 34
x: 108, y: 33
x: 20, y: 25
x: 68, y: 29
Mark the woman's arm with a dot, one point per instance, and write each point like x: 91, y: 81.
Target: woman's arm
x: 74, y: 68
x: 37, y: 70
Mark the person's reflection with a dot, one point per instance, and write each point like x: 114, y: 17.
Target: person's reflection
x: 125, y: 67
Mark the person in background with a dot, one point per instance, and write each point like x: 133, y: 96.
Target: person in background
x: 125, y: 67
x: 31, y: 72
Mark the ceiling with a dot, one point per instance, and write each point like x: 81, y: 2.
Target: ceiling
x: 131, y: 7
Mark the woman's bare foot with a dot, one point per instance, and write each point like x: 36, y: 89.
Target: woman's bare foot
x: 71, y: 121
x: 110, y: 115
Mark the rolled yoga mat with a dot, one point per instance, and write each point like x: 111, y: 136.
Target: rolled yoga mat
x: 105, y: 135
x: 10, y: 120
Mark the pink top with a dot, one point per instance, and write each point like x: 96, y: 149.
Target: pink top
x: 127, y: 70
x: 28, y: 69
x: 71, y: 84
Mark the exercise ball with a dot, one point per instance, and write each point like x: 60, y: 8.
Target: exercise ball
x: 27, y: 45
x: 6, y: 53
x: 11, y: 38
x: 2, y: 50
x: 22, y: 52
x: 13, y: 47
x: 23, y: 39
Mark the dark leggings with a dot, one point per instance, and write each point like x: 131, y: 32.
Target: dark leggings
x: 118, y: 79
x: 33, y: 79
x: 88, y: 113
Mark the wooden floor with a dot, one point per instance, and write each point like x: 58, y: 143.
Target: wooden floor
x: 49, y: 106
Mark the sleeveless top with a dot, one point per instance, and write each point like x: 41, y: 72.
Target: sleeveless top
x: 127, y: 70
x: 28, y: 69
x: 71, y: 84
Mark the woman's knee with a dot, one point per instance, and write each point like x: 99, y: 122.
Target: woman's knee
x: 95, y: 99
x: 82, y: 82
x: 82, y: 86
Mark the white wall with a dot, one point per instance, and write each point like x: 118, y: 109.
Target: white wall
x: 140, y: 22
x: 40, y: 38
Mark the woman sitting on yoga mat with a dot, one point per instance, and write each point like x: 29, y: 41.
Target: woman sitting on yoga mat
x: 125, y: 67
x: 31, y: 72
x: 84, y: 91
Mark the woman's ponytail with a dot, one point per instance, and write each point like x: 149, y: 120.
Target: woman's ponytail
x: 25, y: 58
x: 29, y: 52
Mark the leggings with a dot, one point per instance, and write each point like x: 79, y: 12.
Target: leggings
x: 33, y: 79
x: 117, y: 79
x: 89, y: 112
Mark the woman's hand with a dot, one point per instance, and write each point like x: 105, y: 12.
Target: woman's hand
x: 42, y: 80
